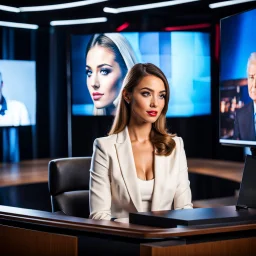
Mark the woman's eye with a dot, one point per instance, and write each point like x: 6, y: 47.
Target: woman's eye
x: 88, y: 72
x: 162, y: 96
x: 105, y: 71
x: 145, y: 94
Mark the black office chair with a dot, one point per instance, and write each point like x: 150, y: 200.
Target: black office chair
x: 69, y: 185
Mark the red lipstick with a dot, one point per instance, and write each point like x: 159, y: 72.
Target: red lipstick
x: 152, y: 113
x: 97, y: 95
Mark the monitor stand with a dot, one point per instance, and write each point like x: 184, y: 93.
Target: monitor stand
x: 247, y: 192
x: 253, y: 151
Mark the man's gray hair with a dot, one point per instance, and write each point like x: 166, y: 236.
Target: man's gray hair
x: 251, y: 59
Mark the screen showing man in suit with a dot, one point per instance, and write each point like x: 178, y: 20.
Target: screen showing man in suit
x: 244, y: 128
x: 238, y: 80
x: 17, y: 93
x: 12, y: 112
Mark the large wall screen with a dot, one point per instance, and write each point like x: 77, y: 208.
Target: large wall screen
x: 97, y: 73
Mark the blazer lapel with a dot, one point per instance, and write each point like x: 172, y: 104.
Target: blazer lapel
x: 161, y: 167
x: 127, y: 166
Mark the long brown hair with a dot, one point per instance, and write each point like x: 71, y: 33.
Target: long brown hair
x: 159, y: 137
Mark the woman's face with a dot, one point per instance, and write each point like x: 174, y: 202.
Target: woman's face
x: 147, y: 99
x: 104, y: 76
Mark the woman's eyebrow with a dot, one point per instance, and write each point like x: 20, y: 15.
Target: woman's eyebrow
x: 104, y: 64
x: 100, y: 66
x: 151, y: 89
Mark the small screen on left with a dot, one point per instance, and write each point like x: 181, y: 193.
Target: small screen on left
x: 17, y: 93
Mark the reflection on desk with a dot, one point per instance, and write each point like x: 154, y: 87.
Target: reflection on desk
x: 36, y: 171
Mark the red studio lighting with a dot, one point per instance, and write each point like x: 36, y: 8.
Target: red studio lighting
x: 188, y: 27
x: 123, y: 26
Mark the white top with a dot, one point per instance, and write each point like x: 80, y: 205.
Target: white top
x: 146, y: 191
x: 15, y: 115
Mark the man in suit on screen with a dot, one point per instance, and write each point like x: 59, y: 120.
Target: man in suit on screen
x: 245, y: 119
x: 12, y: 112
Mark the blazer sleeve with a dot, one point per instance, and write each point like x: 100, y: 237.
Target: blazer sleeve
x: 182, y: 197
x: 100, y: 190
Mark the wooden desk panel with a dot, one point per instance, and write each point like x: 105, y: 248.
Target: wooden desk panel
x: 19, y: 241
x: 243, y: 246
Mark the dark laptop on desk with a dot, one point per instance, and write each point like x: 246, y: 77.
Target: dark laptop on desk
x: 244, y: 211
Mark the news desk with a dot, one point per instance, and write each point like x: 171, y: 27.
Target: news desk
x: 32, y: 232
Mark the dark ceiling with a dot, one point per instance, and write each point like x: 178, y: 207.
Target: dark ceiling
x: 184, y: 14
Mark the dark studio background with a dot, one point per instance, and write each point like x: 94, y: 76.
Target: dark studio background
x: 49, y: 47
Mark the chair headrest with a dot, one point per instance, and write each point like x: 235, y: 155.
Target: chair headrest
x: 69, y: 174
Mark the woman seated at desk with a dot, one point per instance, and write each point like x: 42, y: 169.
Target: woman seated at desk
x: 139, y: 167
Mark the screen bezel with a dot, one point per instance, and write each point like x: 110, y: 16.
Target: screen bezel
x: 230, y: 142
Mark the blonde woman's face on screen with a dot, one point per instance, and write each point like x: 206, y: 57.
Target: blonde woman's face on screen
x: 104, y: 76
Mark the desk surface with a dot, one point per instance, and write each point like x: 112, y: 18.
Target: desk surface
x: 217, y: 168
x: 36, y: 171
x: 52, y: 220
x: 25, y: 172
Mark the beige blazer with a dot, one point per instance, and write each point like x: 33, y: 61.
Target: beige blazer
x: 114, y: 190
